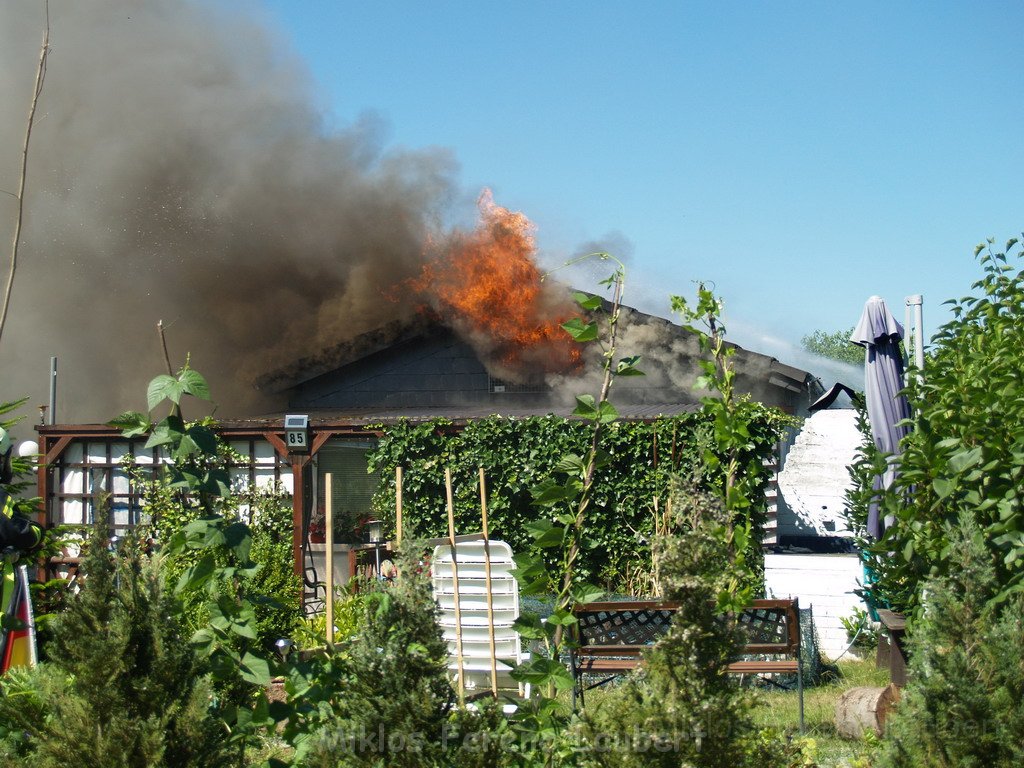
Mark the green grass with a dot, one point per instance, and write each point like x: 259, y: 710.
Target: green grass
x: 780, y: 710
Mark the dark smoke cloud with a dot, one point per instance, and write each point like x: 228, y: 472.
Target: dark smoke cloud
x: 180, y: 170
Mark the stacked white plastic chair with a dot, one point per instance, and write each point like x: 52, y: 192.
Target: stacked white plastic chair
x: 475, y: 632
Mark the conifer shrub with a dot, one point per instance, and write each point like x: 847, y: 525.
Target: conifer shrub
x: 123, y: 687
x: 964, y: 703
x: 396, y: 697
x: 681, y: 707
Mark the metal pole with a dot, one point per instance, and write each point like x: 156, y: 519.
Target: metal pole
x: 53, y: 390
x: 916, y: 302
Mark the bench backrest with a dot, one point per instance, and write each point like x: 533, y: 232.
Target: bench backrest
x: 770, y: 626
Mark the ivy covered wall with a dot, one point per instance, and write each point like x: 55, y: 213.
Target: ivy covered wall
x: 517, y: 454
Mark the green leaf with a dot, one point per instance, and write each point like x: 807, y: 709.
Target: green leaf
x: 545, y: 534
x: 627, y: 367
x: 161, y: 388
x: 540, y: 671
x: 131, y: 423
x: 570, y: 464
x: 586, y: 593
x: 204, y: 438
x: 965, y: 459
x: 943, y: 487
x: 607, y: 412
x: 238, y: 539
x: 186, y: 447
x: 586, y: 301
x: 193, y: 383
x: 561, y: 617
x: 581, y: 331
x: 586, y: 407
x: 216, y: 482
x: 529, y: 626
x: 547, y: 493
x: 198, y: 575
x: 255, y: 670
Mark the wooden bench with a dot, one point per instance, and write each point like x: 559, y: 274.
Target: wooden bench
x: 609, y: 639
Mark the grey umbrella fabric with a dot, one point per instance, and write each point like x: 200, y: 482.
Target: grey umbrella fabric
x: 880, y: 335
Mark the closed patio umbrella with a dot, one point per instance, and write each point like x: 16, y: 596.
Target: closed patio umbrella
x: 880, y: 335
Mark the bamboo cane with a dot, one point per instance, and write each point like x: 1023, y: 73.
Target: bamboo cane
x: 329, y: 554
x: 487, y: 582
x: 455, y: 587
x: 398, y: 505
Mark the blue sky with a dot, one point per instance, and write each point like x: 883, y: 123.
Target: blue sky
x: 801, y: 156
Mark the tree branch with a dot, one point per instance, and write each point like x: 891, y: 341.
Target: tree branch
x: 38, y: 89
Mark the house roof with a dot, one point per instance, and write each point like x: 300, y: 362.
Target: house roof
x: 768, y: 369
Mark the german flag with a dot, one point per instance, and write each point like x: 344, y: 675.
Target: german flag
x: 18, y: 643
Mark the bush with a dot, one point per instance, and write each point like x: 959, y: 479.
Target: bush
x: 518, y: 454
x: 124, y: 687
x: 270, y: 523
x: 965, y: 452
x: 964, y: 703
x: 396, y: 696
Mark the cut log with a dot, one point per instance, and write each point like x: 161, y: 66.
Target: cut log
x: 861, y: 709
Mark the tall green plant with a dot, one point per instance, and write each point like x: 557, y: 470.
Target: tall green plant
x: 965, y: 452
x: 731, y: 460
x: 549, y: 566
x: 396, y: 697
x: 218, y: 549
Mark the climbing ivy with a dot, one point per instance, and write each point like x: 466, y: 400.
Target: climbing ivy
x: 517, y: 454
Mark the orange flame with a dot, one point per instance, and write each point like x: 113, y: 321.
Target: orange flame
x: 487, y: 285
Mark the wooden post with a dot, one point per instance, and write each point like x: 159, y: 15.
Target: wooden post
x: 329, y: 554
x: 487, y: 582
x: 398, y: 505
x: 455, y: 587
x: 298, y: 511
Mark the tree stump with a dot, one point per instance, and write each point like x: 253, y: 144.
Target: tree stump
x: 860, y: 709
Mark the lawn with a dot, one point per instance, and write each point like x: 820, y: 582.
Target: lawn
x: 780, y: 710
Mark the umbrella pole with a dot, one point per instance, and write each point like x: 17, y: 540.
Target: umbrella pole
x: 487, y: 581
x: 455, y: 587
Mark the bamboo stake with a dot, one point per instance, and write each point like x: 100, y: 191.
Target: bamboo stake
x: 487, y: 581
x: 398, y: 505
x: 455, y: 587
x: 329, y: 554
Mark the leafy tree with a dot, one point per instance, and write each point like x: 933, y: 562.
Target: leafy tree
x: 965, y: 452
x: 123, y: 688
x: 217, y: 549
x: 834, y: 346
